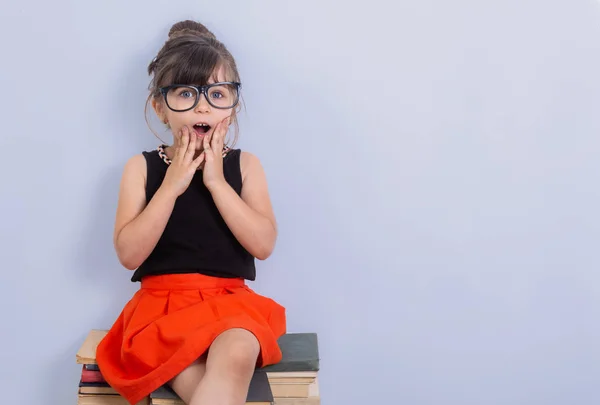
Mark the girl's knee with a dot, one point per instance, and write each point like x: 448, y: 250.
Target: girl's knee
x: 244, y: 352
x: 240, y: 350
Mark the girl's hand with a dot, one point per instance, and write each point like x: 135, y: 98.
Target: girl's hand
x: 213, y: 155
x: 183, y: 165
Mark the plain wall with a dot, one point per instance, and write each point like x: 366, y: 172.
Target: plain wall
x: 433, y: 166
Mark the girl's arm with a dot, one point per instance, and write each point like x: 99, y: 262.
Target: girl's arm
x: 138, y: 226
x: 249, y: 217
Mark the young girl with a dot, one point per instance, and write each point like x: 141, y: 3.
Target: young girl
x: 191, y: 219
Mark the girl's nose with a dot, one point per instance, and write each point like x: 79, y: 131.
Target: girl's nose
x: 203, y: 105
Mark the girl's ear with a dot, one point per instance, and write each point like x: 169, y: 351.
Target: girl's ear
x: 159, y: 110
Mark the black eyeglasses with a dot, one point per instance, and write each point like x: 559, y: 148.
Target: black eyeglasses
x: 184, y: 97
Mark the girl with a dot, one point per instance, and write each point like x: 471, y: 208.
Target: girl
x: 191, y: 219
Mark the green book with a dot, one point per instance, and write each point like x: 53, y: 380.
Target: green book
x: 259, y: 391
x: 300, y: 352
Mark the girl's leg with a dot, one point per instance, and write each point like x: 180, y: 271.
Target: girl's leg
x: 229, y: 368
x: 187, y: 381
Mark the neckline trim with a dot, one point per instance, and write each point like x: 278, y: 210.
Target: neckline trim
x: 163, y: 155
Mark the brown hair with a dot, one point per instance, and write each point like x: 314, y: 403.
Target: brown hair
x: 191, y: 55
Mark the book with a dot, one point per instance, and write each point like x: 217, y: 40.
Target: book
x: 96, y: 388
x: 300, y: 352
x: 91, y: 376
x: 259, y: 393
x: 92, y: 399
x: 87, y: 352
x: 292, y: 381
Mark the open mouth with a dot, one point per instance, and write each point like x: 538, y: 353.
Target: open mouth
x: 201, y: 128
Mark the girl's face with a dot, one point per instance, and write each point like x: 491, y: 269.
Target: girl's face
x: 203, y: 119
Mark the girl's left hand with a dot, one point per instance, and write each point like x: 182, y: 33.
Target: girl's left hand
x: 213, y: 155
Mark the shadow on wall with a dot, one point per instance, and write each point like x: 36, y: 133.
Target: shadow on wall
x: 61, y: 387
x: 97, y: 258
x: 305, y: 167
x: 129, y: 100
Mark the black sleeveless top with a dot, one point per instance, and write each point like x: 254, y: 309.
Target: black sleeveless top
x: 196, y: 238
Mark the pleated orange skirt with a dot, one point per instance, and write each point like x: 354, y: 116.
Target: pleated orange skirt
x: 173, y: 319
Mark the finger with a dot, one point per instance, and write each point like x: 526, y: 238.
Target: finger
x: 217, y: 144
x: 182, y: 147
x: 191, y: 149
x: 206, y: 141
x: 215, y: 136
x: 185, y: 138
x: 179, y: 142
x: 227, y: 125
x: 198, y: 161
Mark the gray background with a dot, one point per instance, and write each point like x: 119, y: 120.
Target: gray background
x: 433, y: 166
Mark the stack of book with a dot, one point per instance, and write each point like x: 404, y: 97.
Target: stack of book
x: 293, y: 381
x: 93, y: 389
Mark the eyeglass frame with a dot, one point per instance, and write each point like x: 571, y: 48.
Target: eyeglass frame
x: 199, y: 91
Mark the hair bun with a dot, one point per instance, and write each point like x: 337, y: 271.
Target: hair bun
x: 189, y: 27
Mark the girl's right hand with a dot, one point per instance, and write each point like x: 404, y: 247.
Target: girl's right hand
x: 183, y: 165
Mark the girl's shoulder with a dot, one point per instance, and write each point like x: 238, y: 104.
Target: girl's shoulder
x: 154, y: 160
x: 136, y: 164
x: 135, y: 173
x: 250, y: 165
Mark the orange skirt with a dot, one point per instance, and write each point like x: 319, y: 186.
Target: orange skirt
x: 173, y: 319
